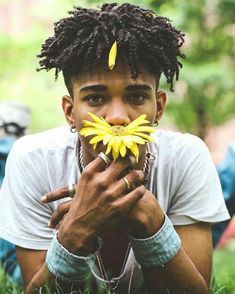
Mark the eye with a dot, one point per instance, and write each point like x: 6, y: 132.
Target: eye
x: 95, y: 99
x: 137, y: 98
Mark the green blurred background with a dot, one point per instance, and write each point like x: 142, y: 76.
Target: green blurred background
x: 203, y: 97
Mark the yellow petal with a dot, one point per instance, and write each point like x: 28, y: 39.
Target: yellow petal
x: 117, y: 143
x: 108, y: 149
x: 145, y: 129
x: 87, y: 123
x: 90, y: 131
x: 127, y: 141
x: 96, y: 139
x: 106, y: 139
x: 115, y: 154
x: 138, y: 121
x: 123, y: 149
x: 135, y: 150
x: 94, y: 146
x: 99, y: 120
x: 146, y: 137
x: 112, y: 55
x: 137, y: 139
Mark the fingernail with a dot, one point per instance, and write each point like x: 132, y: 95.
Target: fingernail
x: 44, y: 198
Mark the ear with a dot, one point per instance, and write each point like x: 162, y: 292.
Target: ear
x: 161, y: 99
x: 67, y: 105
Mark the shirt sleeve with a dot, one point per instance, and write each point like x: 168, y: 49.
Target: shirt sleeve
x: 23, y: 217
x: 198, y: 195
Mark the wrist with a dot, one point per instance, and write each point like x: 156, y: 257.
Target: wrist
x: 79, y: 243
x: 147, y: 225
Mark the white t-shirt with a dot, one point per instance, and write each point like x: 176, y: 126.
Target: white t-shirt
x: 182, y: 177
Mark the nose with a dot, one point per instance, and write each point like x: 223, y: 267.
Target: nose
x: 117, y: 113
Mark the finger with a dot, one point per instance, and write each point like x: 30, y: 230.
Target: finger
x: 59, y: 213
x: 117, y: 167
x: 126, y: 203
x: 57, y: 194
x: 97, y: 165
x: 132, y: 180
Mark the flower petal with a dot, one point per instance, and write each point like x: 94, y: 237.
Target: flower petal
x: 90, y: 131
x: 99, y: 120
x: 106, y: 139
x: 109, y: 148
x: 146, y: 129
x: 135, y: 150
x: 115, y: 154
x: 117, y: 143
x: 142, y: 135
x: 127, y: 141
x: 96, y: 139
x: 123, y: 149
x: 112, y: 55
x: 138, y: 121
x: 137, y: 139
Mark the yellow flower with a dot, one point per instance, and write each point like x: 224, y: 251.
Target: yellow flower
x: 118, y: 138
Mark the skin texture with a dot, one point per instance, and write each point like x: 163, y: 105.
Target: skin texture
x: 119, y: 99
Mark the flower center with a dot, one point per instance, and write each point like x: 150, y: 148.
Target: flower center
x: 118, y: 130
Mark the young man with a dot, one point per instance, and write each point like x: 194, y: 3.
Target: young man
x: 130, y: 205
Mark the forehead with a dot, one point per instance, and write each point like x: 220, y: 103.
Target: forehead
x: 120, y: 76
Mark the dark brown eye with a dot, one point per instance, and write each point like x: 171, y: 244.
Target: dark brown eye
x: 95, y: 99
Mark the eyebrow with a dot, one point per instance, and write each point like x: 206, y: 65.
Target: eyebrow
x: 101, y: 88
x: 135, y: 87
x: 96, y: 88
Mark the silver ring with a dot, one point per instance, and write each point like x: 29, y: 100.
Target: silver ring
x: 104, y: 157
x: 71, y: 190
x: 128, y: 185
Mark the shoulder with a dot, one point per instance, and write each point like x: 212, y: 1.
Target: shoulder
x: 46, y: 141
x: 178, y: 140
x: 178, y: 145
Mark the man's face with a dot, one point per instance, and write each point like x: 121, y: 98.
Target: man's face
x: 114, y: 96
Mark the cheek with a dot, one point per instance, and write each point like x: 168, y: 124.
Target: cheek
x: 151, y: 112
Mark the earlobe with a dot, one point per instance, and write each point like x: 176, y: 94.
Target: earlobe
x: 161, y: 99
x: 67, y: 105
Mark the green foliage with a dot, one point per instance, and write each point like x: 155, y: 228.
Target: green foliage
x: 223, y: 281
x: 7, y: 286
x: 205, y: 96
x: 223, y: 272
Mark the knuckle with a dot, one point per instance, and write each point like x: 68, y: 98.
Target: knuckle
x: 101, y: 183
x: 140, y: 191
x: 116, y: 209
x: 87, y: 174
x: 60, y: 209
x: 137, y: 175
x: 63, y: 191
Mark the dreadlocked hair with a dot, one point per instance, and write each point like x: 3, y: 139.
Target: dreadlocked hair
x: 83, y: 40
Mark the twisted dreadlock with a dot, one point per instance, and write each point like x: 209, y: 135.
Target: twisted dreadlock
x: 83, y: 40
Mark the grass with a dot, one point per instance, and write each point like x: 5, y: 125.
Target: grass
x: 223, y: 281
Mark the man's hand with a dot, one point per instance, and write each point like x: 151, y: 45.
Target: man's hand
x: 101, y: 201
x: 146, y: 216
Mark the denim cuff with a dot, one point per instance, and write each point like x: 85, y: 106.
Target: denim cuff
x: 159, y: 248
x: 69, y: 267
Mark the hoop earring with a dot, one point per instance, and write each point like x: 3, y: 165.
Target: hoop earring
x: 155, y: 124
x: 73, y: 129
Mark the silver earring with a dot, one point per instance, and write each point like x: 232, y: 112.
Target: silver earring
x: 155, y: 124
x: 73, y: 129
